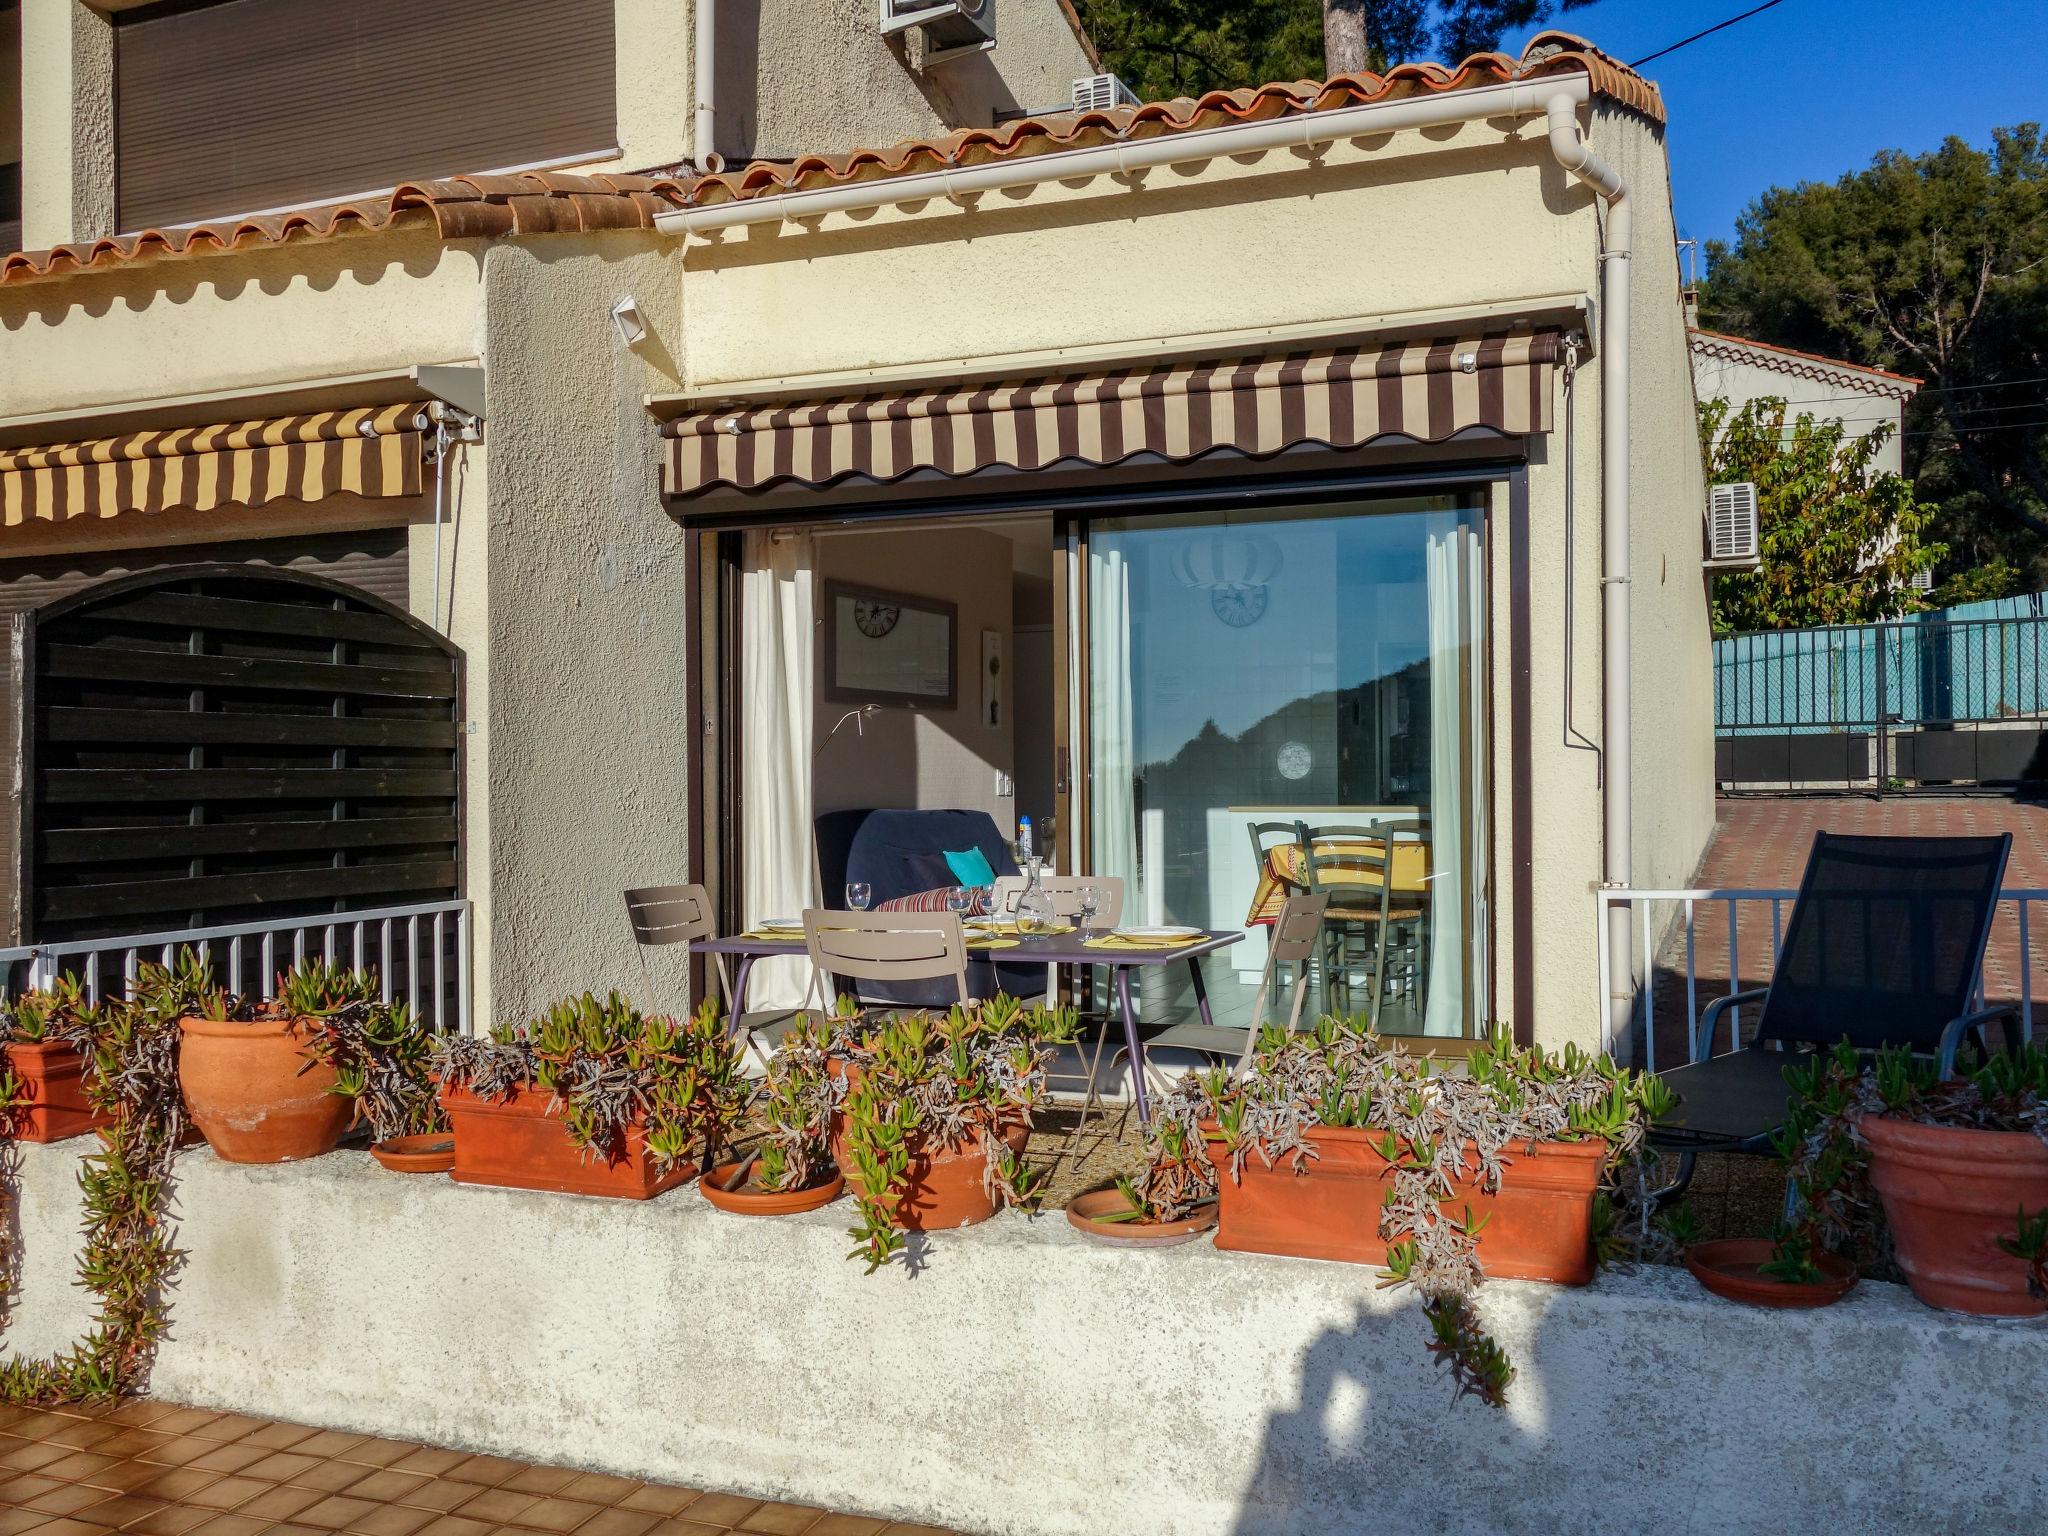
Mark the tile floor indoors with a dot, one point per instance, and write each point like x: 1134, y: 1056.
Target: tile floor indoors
x: 158, y: 1469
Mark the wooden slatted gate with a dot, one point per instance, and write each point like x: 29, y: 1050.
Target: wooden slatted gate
x: 216, y: 743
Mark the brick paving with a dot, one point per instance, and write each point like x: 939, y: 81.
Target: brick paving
x: 1763, y: 844
x: 158, y: 1469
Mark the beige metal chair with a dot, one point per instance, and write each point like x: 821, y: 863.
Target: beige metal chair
x: 1297, y: 932
x: 684, y: 914
x: 887, y: 946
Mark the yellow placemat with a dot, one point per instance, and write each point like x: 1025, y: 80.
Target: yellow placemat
x: 1122, y: 941
x: 1009, y: 929
x: 993, y: 943
x: 773, y: 935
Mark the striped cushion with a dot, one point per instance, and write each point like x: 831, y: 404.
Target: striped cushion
x: 922, y: 901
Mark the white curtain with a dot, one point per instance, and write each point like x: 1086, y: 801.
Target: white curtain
x: 1452, y: 572
x: 1112, y: 786
x: 776, y: 694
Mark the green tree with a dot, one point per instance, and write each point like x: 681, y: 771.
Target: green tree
x: 1840, y: 542
x: 1934, y: 265
x: 1167, y: 48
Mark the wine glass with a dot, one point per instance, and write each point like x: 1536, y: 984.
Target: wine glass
x: 1090, y: 898
x: 858, y: 895
x: 960, y: 901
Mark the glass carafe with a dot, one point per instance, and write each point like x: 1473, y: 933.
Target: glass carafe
x: 1034, y: 907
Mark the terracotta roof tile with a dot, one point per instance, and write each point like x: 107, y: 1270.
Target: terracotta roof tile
x: 461, y: 207
x: 1550, y: 53
x: 1806, y: 365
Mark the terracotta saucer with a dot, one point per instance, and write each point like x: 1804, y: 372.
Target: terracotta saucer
x: 749, y: 1201
x: 1086, y: 1211
x: 1732, y: 1268
x: 431, y: 1153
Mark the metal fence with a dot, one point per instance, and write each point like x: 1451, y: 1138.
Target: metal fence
x: 419, y: 953
x: 1693, y: 946
x: 1932, y: 702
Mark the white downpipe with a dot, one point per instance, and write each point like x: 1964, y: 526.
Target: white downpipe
x: 1305, y: 131
x: 704, y: 83
x: 1568, y: 146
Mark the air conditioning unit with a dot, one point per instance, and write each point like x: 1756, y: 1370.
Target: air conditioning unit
x: 1102, y: 93
x: 1732, y: 538
x: 1921, y: 581
x: 952, y: 28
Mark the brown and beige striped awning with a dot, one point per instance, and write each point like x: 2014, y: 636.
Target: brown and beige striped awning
x: 1425, y: 391
x: 371, y: 451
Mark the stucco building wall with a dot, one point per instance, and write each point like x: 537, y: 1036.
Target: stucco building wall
x: 1861, y: 401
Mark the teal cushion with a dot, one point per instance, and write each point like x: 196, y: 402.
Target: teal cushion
x: 971, y: 868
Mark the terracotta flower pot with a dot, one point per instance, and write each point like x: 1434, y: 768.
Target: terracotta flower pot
x: 1949, y: 1195
x: 519, y: 1143
x: 432, y: 1152
x: 945, y: 1183
x: 255, y: 1094
x: 1538, y: 1225
x: 1732, y: 1268
x: 1085, y: 1213
x: 748, y: 1201
x: 52, y: 1077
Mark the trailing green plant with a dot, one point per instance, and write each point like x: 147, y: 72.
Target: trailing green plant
x: 1827, y: 1161
x: 608, y: 1067
x: 1176, y: 1180
x: 380, y: 1053
x: 1435, y: 1128
x: 905, y: 1083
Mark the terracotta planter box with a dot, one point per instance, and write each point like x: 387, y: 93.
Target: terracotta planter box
x: 516, y: 1143
x: 52, y: 1076
x: 1949, y: 1195
x: 1540, y: 1226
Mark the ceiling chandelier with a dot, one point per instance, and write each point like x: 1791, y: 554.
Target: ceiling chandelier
x: 1215, y: 561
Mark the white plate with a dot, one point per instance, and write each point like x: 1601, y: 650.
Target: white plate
x: 1168, y: 932
x: 791, y: 924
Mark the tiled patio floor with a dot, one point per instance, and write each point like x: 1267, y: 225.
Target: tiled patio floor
x: 156, y: 1469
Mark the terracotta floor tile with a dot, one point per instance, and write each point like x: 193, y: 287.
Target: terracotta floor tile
x: 438, y: 1496
x: 27, y: 1455
x: 232, y: 1525
x: 229, y: 1426
x: 293, y: 1529
x: 177, y: 1450
x: 232, y: 1457
x: 617, y: 1522
x: 781, y: 1519
x: 124, y: 1476
x: 138, y: 1411
x: 171, y: 1520
x: 681, y: 1526
x: 490, y: 1471
x: 431, y: 1462
x: 79, y: 1465
x: 846, y: 1525
x: 228, y: 1493
x: 331, y: 1476
x: 721, y: 1509
x: 24, y: 1486
x: 391, y: 1520
x: 70, y: 1527
x: 279, y: 1466
x: 127, y: 1442
x: 557, y: 1514
x: 456, y: 1525
x: 660, y: 1499
x: 176, y: 1483
x: 334, y: 1512
x: 183, y: 1421
x: 375, y: 1452
x: 66, y: 1499
x: 542, y: 1480
x: 900, y: 1529
x: 385, y: 1486
x: 495, y: 1506
x: 79, y: 1434
x: 281, y: 1503
x: 280, y: 1437
x: 330, y: 1442
x: 14, y: 1521
x: 600, y: 1488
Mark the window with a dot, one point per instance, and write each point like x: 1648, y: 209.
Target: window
x: 10, y: 126
x: 244, y: 105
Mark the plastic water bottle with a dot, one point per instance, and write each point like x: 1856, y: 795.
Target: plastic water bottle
x: 1024, y: 835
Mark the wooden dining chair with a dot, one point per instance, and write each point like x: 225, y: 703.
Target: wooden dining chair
x: 888, y: 947
x: 1354, y: 867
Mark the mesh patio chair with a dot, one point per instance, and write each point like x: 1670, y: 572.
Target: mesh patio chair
x: 887, y: 947
x: 1883, y: 948
x: 683, y: 914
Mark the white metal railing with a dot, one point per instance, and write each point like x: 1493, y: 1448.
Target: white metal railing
x: 1666, y: 919
x: 407, y: 947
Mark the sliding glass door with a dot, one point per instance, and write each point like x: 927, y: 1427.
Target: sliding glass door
x: 1315, y: 666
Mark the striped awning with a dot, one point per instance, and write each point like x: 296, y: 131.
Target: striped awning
x: 1423, y: 391
x: 371, y: 451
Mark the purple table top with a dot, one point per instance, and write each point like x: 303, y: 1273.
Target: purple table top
x: 1052, y: 949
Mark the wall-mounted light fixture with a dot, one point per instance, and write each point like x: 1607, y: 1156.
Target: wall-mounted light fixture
x: 627, y: 322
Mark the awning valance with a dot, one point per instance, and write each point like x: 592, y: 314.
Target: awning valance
x: 1426, y: 391
x: 370, y: 451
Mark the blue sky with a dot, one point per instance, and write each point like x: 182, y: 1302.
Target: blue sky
x: 1813, y: 88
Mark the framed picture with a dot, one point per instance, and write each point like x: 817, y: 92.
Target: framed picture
x: 890, y: 648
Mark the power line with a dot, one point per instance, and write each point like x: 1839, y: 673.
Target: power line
x: 1720, y: 26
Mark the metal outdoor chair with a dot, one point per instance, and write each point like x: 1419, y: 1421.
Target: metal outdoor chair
x: 684, y: 914
x: 1297, y: 931
x: 888, y: 947
x: 1064, y: 892
x: 1883, y: 948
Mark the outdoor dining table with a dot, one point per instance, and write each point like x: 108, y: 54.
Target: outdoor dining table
x: 1070, y: 948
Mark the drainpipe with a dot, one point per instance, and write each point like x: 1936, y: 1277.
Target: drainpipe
x: 703, y: 80
x: 1568, y: 147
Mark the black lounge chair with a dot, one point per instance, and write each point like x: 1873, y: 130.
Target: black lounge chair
x: 1882, y: 949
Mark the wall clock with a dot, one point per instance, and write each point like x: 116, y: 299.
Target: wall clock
x: 1240, y: 605
x: 875, y: 619
x: 1295, y: 760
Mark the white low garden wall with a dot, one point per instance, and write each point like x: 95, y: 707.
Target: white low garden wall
x: 1028, y: 1381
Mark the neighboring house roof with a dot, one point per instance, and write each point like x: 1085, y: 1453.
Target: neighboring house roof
x: 1802, y: 365
x: 538, y: 201
x: 460, y: 207
x: 1550, y: 53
